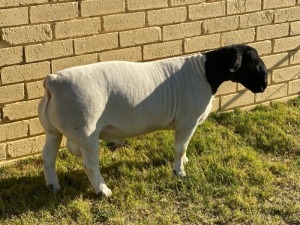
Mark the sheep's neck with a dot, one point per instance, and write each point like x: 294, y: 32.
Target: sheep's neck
x: 215, y: 81
x: 216, y: 70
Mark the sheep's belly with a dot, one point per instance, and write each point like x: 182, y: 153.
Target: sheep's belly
x: 111, y: 132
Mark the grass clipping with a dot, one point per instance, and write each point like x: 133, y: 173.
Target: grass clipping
x: 244, y: 169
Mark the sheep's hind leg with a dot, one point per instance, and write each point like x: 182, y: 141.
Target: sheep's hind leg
x: 73, y: 148
x: 90, y: 157
x: 49, y: 154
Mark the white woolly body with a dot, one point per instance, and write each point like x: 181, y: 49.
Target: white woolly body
x: 123, y: 99
x: 115, y: 100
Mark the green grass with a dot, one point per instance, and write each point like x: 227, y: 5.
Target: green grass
x: 244, y: 169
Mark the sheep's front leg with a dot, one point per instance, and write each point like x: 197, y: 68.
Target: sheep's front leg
x: 90, y: 157
x: 50, y: 150
x: 182, y: 138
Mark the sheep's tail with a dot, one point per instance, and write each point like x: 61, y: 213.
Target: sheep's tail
x: 44, y: 103
x: 48, y: 85
x: 47, y: 92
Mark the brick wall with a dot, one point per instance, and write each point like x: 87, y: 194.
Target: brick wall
x: 39, y: 37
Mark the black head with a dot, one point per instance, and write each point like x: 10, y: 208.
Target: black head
x: 238, y: 63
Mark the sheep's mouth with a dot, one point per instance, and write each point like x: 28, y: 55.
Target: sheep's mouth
x: 259, y: 90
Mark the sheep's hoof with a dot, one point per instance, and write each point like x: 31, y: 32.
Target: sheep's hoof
x: 112, y: 146
x: 185, y: 160
x: 53, y: 189
x: 179, y: 174
x: 105, y: 191
x: 115, y: 146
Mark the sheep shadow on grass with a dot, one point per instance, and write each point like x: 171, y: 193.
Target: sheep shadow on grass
x: 27, y: 192
x: 19, y: 195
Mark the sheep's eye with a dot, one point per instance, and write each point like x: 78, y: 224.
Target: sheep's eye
x: 257, y: 67
x: 252, y: 64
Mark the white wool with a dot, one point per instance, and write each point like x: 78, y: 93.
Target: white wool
x: 126, y: 99
x: 115, y: 100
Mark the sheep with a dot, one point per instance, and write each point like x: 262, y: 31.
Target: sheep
x: 115, y: 100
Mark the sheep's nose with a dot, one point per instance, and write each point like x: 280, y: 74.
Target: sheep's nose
x: 262, y: 89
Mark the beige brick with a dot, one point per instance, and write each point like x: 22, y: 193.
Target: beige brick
x: 4, y: 44
x: 272, y: 31
x: 49, y: 50
x: 286, y: 74
x: 221, y: 24
x: 35, y: 89
x: 133, y: 54
x: 26, y: 34
x: 236, y: 100
x: 124, y: 21
x: 140, y: 36
x: 286, y: 15
x: 167, y: 16
x: 101, y: 7
x: 79, y: 27
x: 272, y: 92
x: 63, y: 142
x: 227, y: 88
x: 161, y: 50
x: 242, y: 6
x: 239, y: 36
x: 276, y: 61
x: 53, y: 12
x: 207, y: 10
x: 2, y: 151
x: 295, y: 28
x: 294, y: 87
x: 262, y: 47
x: 294, y: 57
x: 12, y: 93
x: 241, y: 87
x: 59, y: 64
x: 182, y: 30
x: 256, y: 19
x: 251, y: 107
x: 25, y: 146
x: 287, y: 44
x: 11, y: 55
x: 12, y: 131
x: 278, y: 3
x: 28, y: 72
x: 201, y: 43
x: 96, y: 43
x: 13, y: 16
x: 35, y: 127
x: 215, y: 105
x: 142, y: 4
x: 185, y: 2
x: 21, y: 110
x: 9, y: 3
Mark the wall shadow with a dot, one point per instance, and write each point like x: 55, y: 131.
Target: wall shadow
x: 274, y: 67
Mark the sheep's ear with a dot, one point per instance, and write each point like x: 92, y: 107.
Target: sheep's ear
x: 237, y: 62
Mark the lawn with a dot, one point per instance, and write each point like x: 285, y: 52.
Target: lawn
x: 244, y: 168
